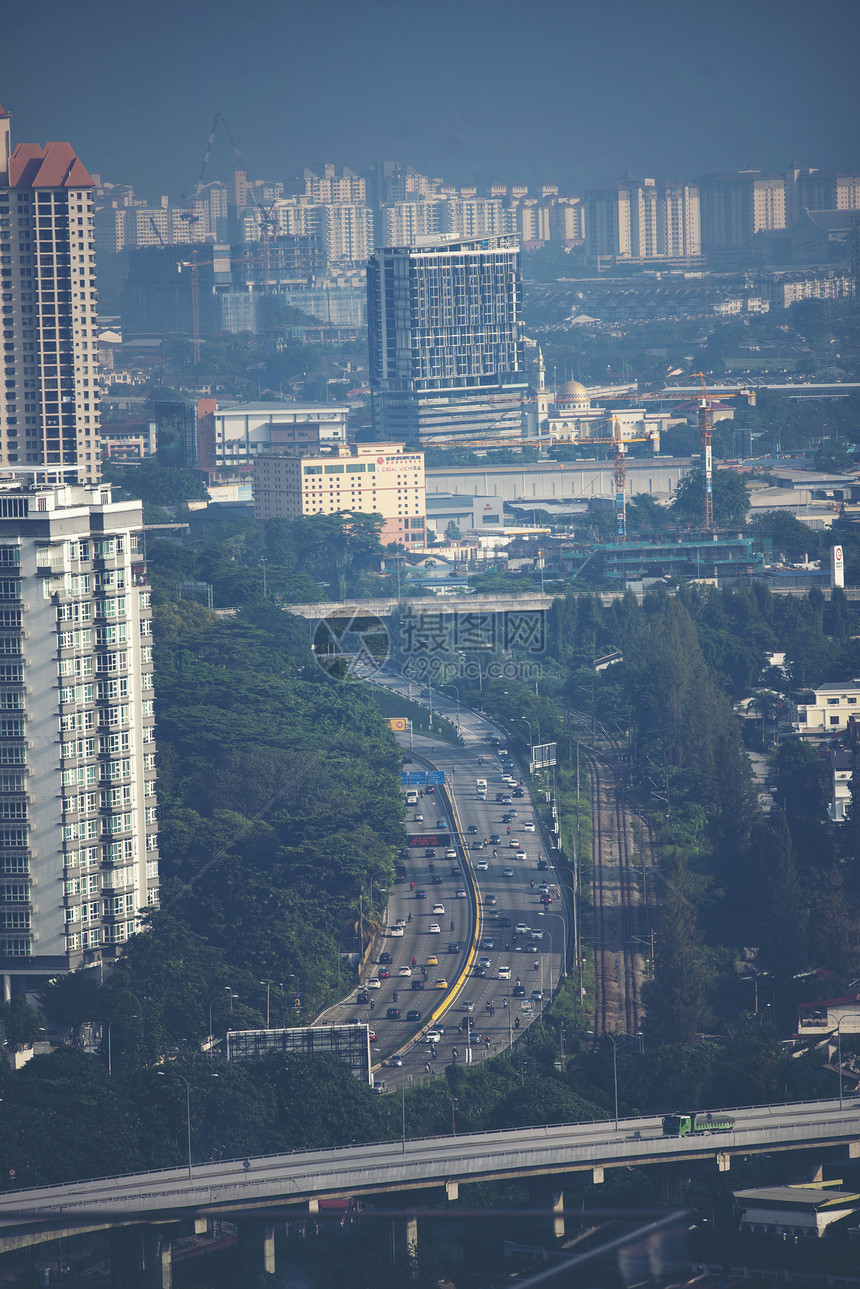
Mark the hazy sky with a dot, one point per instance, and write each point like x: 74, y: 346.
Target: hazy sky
x: 570, y: 91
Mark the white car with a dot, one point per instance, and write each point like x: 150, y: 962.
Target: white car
x: 529, y: 827
x: 434, y: 929
x: 450, y: 853
x: 396, y: 931
x: 460, y: 894
x: 438, y: 908
x: 405, y: 971
x: 521, y: 928
x: 373, y: 983
x: 418, y: 819
x: 520, y: 854
x: 400, y: 922
x: 504, y: 973
x: 433, y: 1036
x: 482, y: 866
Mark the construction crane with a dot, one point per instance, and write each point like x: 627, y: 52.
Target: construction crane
x: 193, y: 265
x: 706, y: 435
x: 269, y: 226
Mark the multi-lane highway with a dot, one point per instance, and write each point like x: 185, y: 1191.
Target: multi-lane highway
x: 502, y: 957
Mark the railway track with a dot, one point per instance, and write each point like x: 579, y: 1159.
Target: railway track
x: 618, y: 903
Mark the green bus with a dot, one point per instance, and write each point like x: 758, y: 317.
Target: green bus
x: 687, y: 1125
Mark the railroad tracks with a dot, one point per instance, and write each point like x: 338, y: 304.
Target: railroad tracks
x: 619, y: 908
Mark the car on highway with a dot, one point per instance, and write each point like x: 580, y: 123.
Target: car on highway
x: 477, y: 844
x: 372, y: 984
x: 432, y: 1036
x: 480, y: 971
x: 396, y: 931
x: 396, y: 1061
x: 454, y: 946
x: 522, y: 928
x: 482, y: 866
x: 488, y: 942
x: 484, y: 961
x: 475, y: 1037
x: 434, y: 929
x: 518, y: 991
x: 507, y: 800
x: 543, y: 865
x: 404, y: 971
x: 507, y: 872
x: 413, y: 1014
x: 418, y: 819
x: 417, y: 984
x: 529, y: 825
x: 421, y: 895
x: 393, y: 1013
x: 429, y: 853
x: 362, y: 997
x: 437, y: 879
x: 440, y: 823
x: 504, y: 973
x: 494, y: 839
x: 400, y: 922
x: 468, y: 1005
x: 536, y: 933
x: 450, y: 853
x: 472, y: 829
x: 385, y: 959
x: 546, y: 899
x: 489, y: 899
x: 520, y: 854
x: 460, y: 893
x: 383, y: 974
x: 537, y: 995
x: 518, y: 792
x: 505, y: 922
x: 432, y: 960
x: 441, y: 983
x: 438, y: 908
x: 543, y: 888
x: 513, y: 844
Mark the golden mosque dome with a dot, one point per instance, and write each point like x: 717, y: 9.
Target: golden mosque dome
x: 573, y: 392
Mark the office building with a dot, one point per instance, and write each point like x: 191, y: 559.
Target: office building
x: 49, y: 409
x: 444, y: 330
x: 367, y: 478
x: 78, y: 832
x: 229, y: 438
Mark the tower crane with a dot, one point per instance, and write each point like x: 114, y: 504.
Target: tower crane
x: 269, y: 227
x: 706, y: 434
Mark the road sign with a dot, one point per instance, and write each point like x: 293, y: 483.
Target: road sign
x: 543, y: 755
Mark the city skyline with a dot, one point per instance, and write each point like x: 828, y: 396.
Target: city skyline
x: 564, y: 92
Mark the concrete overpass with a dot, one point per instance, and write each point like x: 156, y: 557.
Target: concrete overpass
x: 259, y: 1193
x: 509, y: 602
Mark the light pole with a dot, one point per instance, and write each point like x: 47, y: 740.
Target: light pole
x: 614, y: 1040
x: 174, y: 1075
x: 457, y: 692
x: 268, y: 984
x: 839, y: 1021
x: 563, y: 921
x: 229, y: 989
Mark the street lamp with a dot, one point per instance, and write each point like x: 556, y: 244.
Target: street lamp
x: 457, y: 692
x: 174, y: 1075
x: 110, y: 1024
x: 229, y: 989
x: 563, y: 921
x: 614, y: 1040
x: 268, y: 984
x: 839, y: 1021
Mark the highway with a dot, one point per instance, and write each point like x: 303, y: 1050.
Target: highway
x: 283, y: 1180
x: 483, y: 929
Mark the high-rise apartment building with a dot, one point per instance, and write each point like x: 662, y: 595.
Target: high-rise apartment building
x: 446, y: 353
x: 638, y: 219
x: 49, y: 403
x: 78, y: 832
x: 738, y: 205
